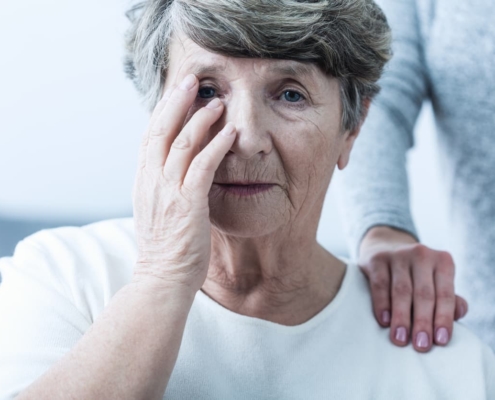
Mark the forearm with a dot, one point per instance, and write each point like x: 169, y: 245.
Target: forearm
x: 374, y: 186
x: 128, y: 353
x: 373, y: 189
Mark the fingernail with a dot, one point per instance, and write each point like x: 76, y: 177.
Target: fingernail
x: 385, y: 317
x: 422, y: 340
x: 214, y: 104
x: 188, y: 82
x: 442, y: 336
x: 228, y: 129
x: 401, y: 334
x: 462, y: 310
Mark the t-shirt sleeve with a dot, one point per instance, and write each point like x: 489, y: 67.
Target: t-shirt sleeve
x: 39, y: 321
x: 373, y: 189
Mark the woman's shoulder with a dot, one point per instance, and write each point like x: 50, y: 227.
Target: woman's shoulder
x: 86, y: 265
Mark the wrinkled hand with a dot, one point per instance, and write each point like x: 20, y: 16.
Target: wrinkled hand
x: 170, y: 196
x: 411, y: 286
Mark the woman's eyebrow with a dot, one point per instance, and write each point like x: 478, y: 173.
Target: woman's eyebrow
x: 202, y: 69
x: 296, y: 70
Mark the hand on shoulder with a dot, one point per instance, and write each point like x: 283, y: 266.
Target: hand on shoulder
x: 412, y: 288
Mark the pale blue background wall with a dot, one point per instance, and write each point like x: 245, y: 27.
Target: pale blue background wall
x: 70, y: 125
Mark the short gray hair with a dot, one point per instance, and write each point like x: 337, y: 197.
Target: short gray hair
x: 347, y: 39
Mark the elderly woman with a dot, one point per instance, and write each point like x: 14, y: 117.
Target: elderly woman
x: 217, y: 289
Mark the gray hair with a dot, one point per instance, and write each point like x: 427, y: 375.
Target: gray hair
x: 346, y: 39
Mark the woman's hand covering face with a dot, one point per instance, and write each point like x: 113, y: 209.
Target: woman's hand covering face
x: 288, y: 140
x: 170, y: 196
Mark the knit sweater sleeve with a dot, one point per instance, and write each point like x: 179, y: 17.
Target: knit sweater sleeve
x: 373, y: 189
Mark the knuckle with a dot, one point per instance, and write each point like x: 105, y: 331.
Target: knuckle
x: 380, y: 285
x: 446, y: 258
x: 445, y: 272
x: 156, y: 130
x: 181, y: 143
x: 425, y: 293
x: 402, y: 289
x: 379, y: 259
x: 421, y: 252
x: 400, y: 265
x: 446, y: 295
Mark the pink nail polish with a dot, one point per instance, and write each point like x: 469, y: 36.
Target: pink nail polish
x: 422, y: 340
x: 385, y: 317
x: 442, y: 336
x: 401, y: 334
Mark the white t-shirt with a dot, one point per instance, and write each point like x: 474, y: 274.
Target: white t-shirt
x: 60, y: 280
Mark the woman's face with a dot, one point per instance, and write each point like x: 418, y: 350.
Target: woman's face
x: 287, y: 115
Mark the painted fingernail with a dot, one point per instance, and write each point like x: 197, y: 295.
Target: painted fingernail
x: 442, y: 336
x: 228, y: 130
x: 188, y: 82
x: 385, y: 317
x: 401, y: 334
x: 422, y: 340
x: 214, y: 104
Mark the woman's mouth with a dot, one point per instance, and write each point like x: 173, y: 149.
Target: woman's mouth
x: 245, y: 189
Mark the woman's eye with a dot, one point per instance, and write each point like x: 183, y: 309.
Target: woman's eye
x: 292, y: 96
x: 206, y: 93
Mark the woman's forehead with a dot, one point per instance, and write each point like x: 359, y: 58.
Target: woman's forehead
x: 186, y: 57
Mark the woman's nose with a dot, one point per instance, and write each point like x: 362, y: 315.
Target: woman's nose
x: 252, y: 126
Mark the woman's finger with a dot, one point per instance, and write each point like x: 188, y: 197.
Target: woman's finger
x: 461, y: 307
x: 445, y: 299
x: 187, y: 144
x: 143, y: 149
x: 402, y: 292
x: 379, y: 276
x: 423, y: 304
x: 170, y: 122
x: 199, y: 177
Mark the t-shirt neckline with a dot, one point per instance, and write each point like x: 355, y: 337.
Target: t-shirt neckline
x: 218, y: 311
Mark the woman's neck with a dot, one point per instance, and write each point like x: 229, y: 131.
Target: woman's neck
x: 285, y: 281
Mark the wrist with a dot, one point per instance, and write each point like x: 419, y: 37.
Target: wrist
x: 181, y: 278
x: 385, y: 236
x: 163, y: 288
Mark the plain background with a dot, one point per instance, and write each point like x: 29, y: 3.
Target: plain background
x: 71, y: 123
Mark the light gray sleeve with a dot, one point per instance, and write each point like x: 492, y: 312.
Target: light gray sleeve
x: 373, y: 189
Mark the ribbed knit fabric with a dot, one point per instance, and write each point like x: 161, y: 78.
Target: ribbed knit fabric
x: 59, y: 281
x: 444, y: 50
